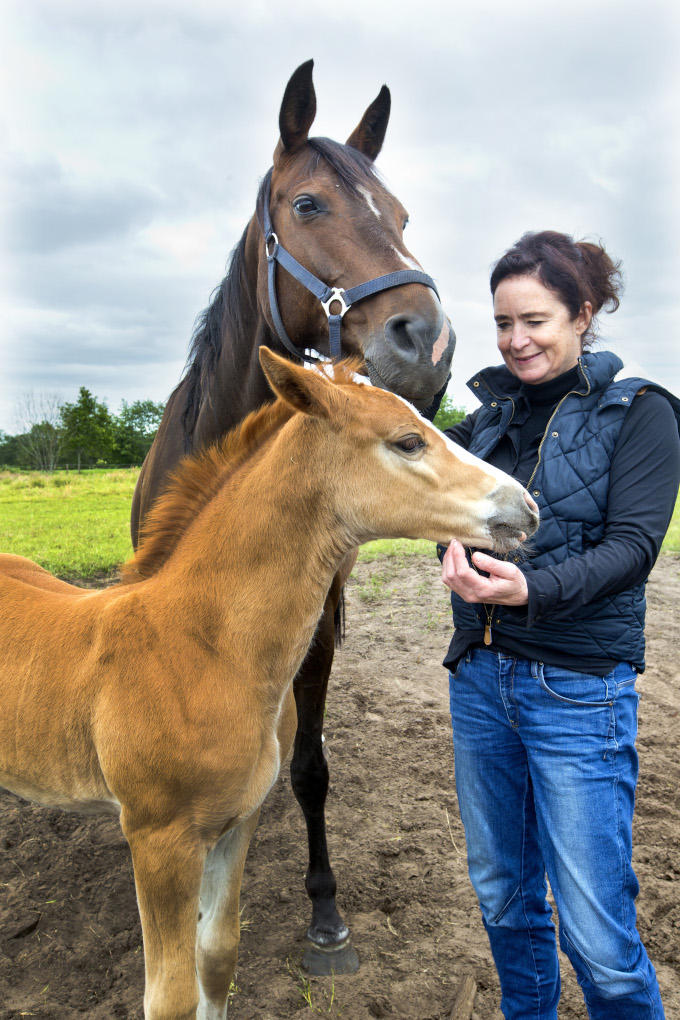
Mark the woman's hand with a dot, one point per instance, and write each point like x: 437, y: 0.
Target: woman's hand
x: 505, y: 585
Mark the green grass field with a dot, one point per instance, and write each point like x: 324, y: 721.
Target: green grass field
x: 77, y: 525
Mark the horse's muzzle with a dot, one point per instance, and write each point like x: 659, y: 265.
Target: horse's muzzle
x: 412, y: 357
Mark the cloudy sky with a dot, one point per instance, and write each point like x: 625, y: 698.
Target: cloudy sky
x: 136, y: 135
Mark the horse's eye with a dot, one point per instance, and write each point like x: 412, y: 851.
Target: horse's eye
x: 409, y: 444
x: 404, y: 224
x: 305, y: 205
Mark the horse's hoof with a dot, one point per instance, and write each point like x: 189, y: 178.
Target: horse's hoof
x: 320, y: 961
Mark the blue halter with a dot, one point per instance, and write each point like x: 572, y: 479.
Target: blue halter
x: 328, y: 296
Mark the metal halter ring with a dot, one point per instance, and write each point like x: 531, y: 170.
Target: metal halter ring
x: 275, y: 241
x: 337, y: 294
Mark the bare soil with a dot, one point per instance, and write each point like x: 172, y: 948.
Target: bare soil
x: 70, y: 941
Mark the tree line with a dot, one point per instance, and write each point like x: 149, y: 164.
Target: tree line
x: 86, y: 434
x: 80, y: 434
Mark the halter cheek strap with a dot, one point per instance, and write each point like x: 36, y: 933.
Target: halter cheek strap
x: 328, y: 296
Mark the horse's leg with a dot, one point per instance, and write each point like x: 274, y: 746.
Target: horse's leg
x: 330, y: 949
x: 218, y: 919
x: 168, y: 867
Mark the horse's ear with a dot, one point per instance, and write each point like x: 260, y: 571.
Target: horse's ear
x: 298, y: 109
x: 369, y: 135
x: 303, y: 388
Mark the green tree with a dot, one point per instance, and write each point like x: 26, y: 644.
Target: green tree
x: 88, y: 429
x: 39, y: 448
x: 134, y: 429
x: 9, y: 450
x: 448, y: 414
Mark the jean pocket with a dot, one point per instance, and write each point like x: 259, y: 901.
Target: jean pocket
x: 575, y: 688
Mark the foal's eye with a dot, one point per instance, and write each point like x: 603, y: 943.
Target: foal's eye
x: 305, y: 205
x: 409, y: 444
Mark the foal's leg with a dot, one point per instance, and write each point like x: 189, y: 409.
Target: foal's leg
x: 218, y: 919
x: 168, y: 866
x: 328, y: 933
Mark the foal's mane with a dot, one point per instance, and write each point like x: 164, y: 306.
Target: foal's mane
x: 194, y: 483
x: 232, y: 303
x: 199, y: 477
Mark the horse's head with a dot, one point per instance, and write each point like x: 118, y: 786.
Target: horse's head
x: 394, y: 473
x: 331, y: 212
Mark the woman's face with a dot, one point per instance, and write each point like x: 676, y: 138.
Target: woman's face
x: 535, y: 332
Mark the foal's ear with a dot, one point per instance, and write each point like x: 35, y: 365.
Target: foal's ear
x: 369, y: 135
x: 298, y: 109
x: 304, y: 389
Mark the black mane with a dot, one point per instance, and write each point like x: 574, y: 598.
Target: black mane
x: 226, y: 305
x: 231, y: 298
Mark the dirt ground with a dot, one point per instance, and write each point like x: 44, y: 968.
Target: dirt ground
x: 70, y: 941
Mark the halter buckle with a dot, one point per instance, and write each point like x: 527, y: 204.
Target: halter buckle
x: 271, y: 239
x: 337, y: 294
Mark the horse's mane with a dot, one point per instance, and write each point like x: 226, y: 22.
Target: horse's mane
x: 231, y: 300
x: 194, y: 483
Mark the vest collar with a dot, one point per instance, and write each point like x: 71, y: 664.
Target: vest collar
x: 496, y: 383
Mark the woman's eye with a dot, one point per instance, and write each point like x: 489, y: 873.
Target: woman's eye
x: 409, y: 444
x: 305, y: 205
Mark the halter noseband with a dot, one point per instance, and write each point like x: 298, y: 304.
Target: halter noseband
x: 328, y: 296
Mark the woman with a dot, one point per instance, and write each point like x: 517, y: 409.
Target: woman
x: 547, y: 648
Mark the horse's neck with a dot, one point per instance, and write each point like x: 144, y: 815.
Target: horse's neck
x: 237, y: 386
x: 253, y: 574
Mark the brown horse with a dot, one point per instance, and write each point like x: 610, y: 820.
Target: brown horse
x: 323, y: 202
x: 168, y: 698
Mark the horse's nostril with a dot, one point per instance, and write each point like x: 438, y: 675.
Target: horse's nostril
x: 406, y: 332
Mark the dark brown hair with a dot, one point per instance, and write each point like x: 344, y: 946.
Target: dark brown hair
x: 576, y: 271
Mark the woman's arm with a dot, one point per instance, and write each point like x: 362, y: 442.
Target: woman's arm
x: 462, y: 432
x: 643, y: 486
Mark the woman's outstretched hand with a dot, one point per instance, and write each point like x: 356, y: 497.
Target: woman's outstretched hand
x: 505, y: 585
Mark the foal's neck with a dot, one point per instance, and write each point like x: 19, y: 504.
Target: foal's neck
x: 256, y: 565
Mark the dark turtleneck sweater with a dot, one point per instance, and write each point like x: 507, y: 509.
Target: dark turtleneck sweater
x: 643, y: 484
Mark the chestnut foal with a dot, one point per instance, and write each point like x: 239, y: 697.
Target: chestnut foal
x: 168, y: 698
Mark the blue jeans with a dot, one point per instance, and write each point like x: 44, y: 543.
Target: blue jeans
x: 546, y: 769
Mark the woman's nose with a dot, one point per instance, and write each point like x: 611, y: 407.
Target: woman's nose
x: 519, y: 337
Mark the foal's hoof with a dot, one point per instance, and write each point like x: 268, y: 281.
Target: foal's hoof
x: 320, y: 961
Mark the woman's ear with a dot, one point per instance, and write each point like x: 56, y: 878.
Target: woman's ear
x: 584, y: 317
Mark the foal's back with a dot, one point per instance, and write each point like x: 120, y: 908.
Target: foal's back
x: 26, y: 572
x: 50, y: 637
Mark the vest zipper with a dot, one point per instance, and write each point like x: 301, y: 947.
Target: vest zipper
x: 579, y: 393
x: 489, y: 612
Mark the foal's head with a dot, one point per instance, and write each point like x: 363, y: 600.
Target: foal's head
x: 331, y: 211
x: 394, y: 474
